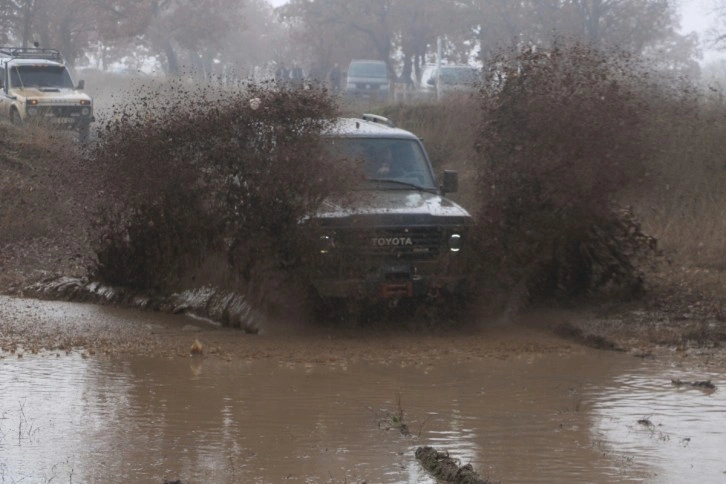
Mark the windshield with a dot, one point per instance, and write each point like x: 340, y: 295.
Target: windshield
x: 458, y: 75
x: 367, y: 69
x: 382, y: 159
x: 41, y: 76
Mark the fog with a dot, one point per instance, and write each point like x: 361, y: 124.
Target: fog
x: 240, y: 39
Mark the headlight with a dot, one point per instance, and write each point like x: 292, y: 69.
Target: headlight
x: 32, y: 111
x: 455, y: 242
x: 327, y: 243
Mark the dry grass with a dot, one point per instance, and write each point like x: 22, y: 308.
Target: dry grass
x: 684, y: 202
x: 46, y: 195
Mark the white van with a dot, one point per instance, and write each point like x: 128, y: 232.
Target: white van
x: 452, y: 78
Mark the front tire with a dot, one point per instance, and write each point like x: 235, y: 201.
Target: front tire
x: 84, y: 133
x: 15, y: 118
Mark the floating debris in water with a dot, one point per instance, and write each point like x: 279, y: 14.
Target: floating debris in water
x: 705, y: 385
x: 446, y: 469
x: 197, y: 348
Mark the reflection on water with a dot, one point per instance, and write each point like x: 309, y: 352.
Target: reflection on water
x: 679, y: 431
x: 535, y: 419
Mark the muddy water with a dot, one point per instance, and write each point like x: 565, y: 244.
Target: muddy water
x: 525, y: 416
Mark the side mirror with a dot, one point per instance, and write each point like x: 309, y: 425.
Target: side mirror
x: 451, y: 181
x: 81, y: 84
x: 431, y: 81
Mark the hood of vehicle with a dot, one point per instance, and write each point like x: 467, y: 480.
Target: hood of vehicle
x: 367, y: 80
x: 52, y: 95
x: 394, y: 206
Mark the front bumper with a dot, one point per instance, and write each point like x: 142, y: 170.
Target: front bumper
x: 60, y: 116
x: 382, y: 289
x: 368, y: 93
x: 391, y: 279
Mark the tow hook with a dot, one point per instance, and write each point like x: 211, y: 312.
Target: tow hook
x: 434, y: 292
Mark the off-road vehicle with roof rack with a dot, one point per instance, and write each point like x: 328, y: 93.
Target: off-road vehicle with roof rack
x: 36, y: 87
x: 396, y: 235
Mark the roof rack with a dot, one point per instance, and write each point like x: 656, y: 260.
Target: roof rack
x: 32, y: 53
x: 375, y: 118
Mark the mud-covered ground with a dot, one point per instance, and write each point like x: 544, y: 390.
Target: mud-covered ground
x: 682, y: 313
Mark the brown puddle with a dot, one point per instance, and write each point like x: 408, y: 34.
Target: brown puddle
x: 593, y: 417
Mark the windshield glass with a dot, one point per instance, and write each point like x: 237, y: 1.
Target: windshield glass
x: 458, y: 75
x: 367, y: 69
x: 41, y: 76
x: 382, y: 159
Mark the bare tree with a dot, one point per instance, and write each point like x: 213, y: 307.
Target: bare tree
x: 16, y: 19
x: 365, y: 28
x: 716, y: 36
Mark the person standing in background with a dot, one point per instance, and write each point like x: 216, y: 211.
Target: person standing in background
x: 335, y: 77
x: 296, y: 76
x: 281, y: 75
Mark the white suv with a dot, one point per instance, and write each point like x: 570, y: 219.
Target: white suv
x: 36, y: 86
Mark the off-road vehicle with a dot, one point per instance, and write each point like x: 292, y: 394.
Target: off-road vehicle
x: 395, y: 235
x: 36, y: 87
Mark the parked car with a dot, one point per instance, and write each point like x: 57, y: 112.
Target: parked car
x: 36, y: 86
x: 368, y: 79
x: 451, y: 78
x: 397, y: 235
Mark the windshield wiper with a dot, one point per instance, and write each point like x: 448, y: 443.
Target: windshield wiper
x: 398, y: 182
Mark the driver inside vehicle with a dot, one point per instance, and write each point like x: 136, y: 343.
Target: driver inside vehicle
x: 393, y: 161
x: 380, y: 163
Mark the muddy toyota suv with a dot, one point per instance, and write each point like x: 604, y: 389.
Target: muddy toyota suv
x: 395, y: 235
x: 36, y: 86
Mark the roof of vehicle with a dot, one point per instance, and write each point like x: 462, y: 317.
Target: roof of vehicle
x: 368, y: 61
x: 31, y: 56
x: 451, y: 66
x: 359, y: 127
x: 29, y: 62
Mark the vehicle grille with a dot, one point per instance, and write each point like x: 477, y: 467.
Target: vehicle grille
x: 420, y: 243
x: 60, y: 111
x: 367, y: 86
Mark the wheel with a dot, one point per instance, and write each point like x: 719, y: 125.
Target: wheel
x: 84, y: 133
x: 15, y: 118
x: 332, y: 311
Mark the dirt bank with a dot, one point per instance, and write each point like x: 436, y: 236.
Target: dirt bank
x: 682, y: 313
